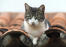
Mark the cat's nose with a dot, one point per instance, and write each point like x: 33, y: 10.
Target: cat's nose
x: 33, y: 23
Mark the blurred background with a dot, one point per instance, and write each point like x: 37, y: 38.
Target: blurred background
x: 18, y: 5
x: 13, y: 11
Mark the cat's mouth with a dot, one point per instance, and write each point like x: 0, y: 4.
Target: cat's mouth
x: 33, y: 24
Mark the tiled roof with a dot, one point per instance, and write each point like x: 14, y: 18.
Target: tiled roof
x: 11, y: 20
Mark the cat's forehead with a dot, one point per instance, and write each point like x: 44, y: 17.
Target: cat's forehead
x: 34, y: 9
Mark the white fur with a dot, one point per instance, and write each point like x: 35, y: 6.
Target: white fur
x: 35, y: 41
x: 33, y: 20
x: 62, y: 35
x: 34, y: 31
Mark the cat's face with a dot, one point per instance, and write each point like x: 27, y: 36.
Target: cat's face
x: 34, y: 16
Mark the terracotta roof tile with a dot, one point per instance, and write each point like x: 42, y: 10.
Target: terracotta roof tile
x: 17, y: 21
x: 14, y: 20
x: 59, y: 19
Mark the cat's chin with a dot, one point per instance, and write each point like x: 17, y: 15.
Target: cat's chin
x: 33, y: 24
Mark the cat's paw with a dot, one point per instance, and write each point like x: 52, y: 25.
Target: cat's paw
x: 43, y: 40
x: 35, y: 41
x: 26, y: 40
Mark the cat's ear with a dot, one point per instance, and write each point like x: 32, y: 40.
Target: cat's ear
x: 42, y: 8
x: 27, y: 7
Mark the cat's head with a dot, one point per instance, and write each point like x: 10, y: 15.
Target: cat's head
x: 34, y: 15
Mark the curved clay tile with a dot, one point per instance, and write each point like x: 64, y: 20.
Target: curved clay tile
x: 0, y: 33
x: 4, y: 21
x: 59, y: 19
x: 54, y: 38
x: 6, y: 17
x: 65, y: 15
x: 15, y: 38
x: 17, y: 22
x: 13, y: 15
x: 16, y: 30
x: 50, y: 16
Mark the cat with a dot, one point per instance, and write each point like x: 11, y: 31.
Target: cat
x: 35, y: 22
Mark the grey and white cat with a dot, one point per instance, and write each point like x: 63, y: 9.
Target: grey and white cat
x: 35, y: 22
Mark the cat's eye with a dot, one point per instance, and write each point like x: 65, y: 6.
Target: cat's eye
x: 28, y: 16
x: 36, y: 17
x: 41, y: 19
x: 39, y: 16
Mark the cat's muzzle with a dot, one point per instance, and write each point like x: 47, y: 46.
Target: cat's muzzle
x: 33, y: 23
